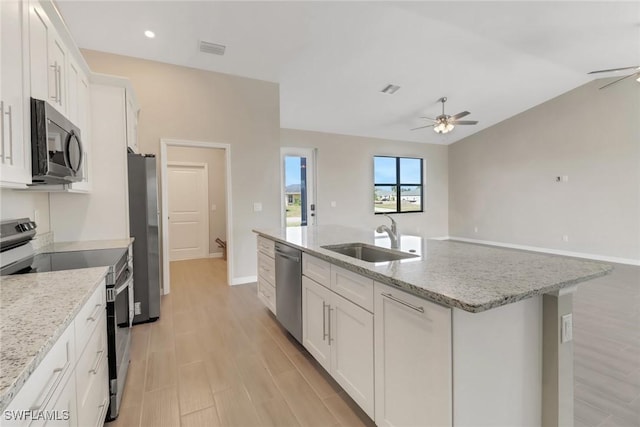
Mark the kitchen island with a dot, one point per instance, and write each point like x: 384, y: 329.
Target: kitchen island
x: 489, y: 319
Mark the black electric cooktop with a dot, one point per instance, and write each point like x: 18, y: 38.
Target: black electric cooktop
x: 58, y: 261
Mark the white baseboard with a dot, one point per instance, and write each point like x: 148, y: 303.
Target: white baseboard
x: 243, y: 280
x: 629, y: 261
x: 215, y: 255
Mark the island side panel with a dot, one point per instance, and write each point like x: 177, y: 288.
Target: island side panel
x: 557, y: 392
x: 497, y: 365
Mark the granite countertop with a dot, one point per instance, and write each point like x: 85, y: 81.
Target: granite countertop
x: 460, y: 275
x: 35, y: 309
x: 87, y: 245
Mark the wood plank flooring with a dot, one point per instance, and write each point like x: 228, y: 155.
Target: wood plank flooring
x: 217, y: 357
x: 606, y: 316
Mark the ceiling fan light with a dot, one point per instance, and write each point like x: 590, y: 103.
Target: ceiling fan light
x: 449, y: 127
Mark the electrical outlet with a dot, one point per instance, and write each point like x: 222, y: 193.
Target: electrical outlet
x: 565, y: 178
x: 214, y: 207
x: 333, y: 204
x: 475, y: 229
x: 567, y: 328
x: 565, y: 238
x: 137, y: 309
x: 257, y: 207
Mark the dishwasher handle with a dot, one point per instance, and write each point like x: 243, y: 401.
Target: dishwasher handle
x: 289, y: 257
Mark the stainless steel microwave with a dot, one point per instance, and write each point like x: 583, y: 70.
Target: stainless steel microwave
x: 56, y: 146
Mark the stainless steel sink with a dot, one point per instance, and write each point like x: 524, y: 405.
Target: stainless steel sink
x: 368, y: 253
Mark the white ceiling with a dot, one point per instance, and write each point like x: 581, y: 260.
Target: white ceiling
x: 331, y: 59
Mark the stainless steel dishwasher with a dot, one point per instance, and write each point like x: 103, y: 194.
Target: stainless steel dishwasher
x: 289, y: 289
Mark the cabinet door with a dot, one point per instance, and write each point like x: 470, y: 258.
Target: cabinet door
x: 15, y: 169
x: 64, y: 408
x: 352, y: 351
x: 73, y: 92
x: 83, y: 117
x: 412, y: 360
x: 132, y: 122
x: 39, y: 29
x: 315, y: 321
x: 58, y: 73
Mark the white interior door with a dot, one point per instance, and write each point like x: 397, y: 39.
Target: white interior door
x: 188, y: 213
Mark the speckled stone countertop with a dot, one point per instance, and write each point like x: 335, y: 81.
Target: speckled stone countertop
x: 471, y: 277
x: 35, y: 309
x: 88, y: 245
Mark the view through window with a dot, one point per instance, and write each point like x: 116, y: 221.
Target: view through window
x: 295, y: 182
x: 398, y: 185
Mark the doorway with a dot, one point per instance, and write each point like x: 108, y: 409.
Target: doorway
x: 190, y: 214
x: 298, y: 186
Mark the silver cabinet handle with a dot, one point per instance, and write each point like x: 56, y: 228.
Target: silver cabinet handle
x: 406, y: 304
x: 48, y: 389
x: 9, y: 113
x: 94, y: 314
x: 330, y: 310
x: 2, y: 131
x: 96, y: 364
x: 324, y: 321
x: 55, y: 81
x: 59, y: 85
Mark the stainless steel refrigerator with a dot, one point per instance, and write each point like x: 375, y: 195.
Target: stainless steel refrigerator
x: 143, y: 225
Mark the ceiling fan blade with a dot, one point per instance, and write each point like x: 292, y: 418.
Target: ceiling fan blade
x: 614, y: 69
x: 465, y: 122
x: 422, y: 127
x: 619, y: 80
x: 428, y: 118
x: 460, y: 115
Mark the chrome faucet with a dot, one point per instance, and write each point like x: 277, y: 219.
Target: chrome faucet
x: 392, y: 232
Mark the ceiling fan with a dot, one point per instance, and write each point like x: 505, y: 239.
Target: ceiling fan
x: 635, y: 73
x: 444, y: 123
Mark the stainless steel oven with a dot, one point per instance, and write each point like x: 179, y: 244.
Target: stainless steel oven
x: 119, y: 319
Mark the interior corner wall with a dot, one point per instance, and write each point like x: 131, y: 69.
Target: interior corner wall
x: 345, y: 175
x: 189, y: 104
x: 214, y: 158
x: 503, y: 180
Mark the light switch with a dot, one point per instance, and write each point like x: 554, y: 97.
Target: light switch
x: 333, y: 204
x: 257, y: 207
x: 567, y: 328
x: 213, y: 207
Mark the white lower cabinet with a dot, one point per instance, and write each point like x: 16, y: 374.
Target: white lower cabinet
x: 413, y: 360
x: 70, y: 387
x: 339, y: 335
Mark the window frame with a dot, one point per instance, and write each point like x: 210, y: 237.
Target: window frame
x: 398, y: 185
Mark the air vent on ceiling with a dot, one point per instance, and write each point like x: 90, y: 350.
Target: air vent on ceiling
x: 216, y: 49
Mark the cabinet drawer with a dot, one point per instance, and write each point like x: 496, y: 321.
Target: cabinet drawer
x: 94, y: 402
x: 89, y: 316
x: 47, y: 379
x: 267, y: 268
x: 316, y: 269
x: 90, y: 366
x: 266, y: 246
x: 354, y: 287
x: 267, y: 294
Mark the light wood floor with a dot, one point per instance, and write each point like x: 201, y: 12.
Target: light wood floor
x: 217, y: 357
x: 607, y: 350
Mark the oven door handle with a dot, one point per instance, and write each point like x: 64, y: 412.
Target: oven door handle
x: 124, y: 286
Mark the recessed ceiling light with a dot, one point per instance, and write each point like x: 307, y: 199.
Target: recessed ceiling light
x: 390, y: 89
x: 150, y: 34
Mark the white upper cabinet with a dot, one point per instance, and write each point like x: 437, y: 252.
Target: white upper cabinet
x: 57, y: 72
x: 132, y: 121
x: 15, y: 147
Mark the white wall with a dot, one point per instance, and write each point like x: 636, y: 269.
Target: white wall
x: 502, y: 179
x: 345, y: 175
x: 188, y: 104
x: 215, y: 159
x: 23, y: 204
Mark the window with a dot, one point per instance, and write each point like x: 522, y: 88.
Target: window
x: 397, y: 184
